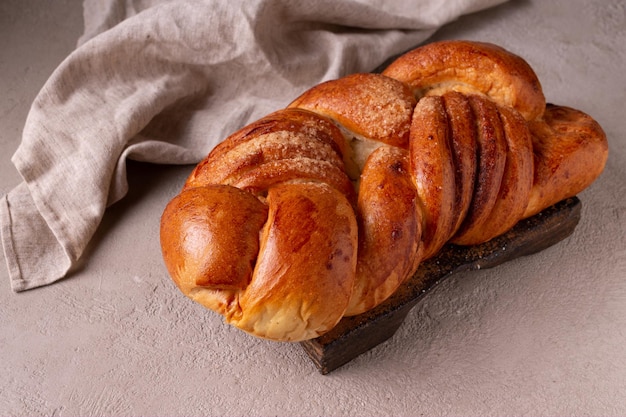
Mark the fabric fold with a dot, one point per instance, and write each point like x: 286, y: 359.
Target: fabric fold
x: 164, y: 83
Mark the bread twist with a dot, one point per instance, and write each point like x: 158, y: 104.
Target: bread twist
x: 323, y: 209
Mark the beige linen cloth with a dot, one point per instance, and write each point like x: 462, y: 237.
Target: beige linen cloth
x: 163, y: 82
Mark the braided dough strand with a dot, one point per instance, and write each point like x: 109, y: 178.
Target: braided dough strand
x: 323, y: 209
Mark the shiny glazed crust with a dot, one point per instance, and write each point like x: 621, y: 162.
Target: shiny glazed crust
x: 323, y: 209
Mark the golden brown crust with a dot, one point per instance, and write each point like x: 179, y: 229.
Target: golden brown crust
x: 570, y: 151
x: 433, y: 173
x: 464, y: 152
x: 305, y: 272
x: 370, y: 105
x: 390, y: 229
x: 517, y: 178
x: 492, y: 153
x: 284, y: 134
x: 471, y: 67
x: 265, y: 176
x: 323, y: 209
x: 196, y: 250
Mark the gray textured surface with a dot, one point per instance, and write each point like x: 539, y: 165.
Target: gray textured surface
x: 544, y: 334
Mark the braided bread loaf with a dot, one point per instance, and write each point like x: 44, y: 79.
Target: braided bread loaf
x: 323, y: 209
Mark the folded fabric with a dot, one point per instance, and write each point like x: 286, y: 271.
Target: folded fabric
x: 164, y: 83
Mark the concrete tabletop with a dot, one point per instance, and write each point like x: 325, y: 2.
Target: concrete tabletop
x: 540, y: 335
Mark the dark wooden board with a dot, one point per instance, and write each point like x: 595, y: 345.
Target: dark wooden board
x: 356, y: 335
